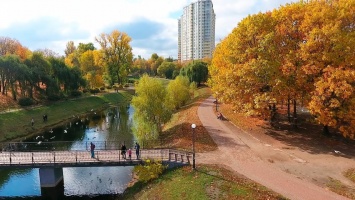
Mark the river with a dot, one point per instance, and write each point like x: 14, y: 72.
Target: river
x: 113, y: 124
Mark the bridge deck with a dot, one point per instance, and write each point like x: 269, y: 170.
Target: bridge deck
x: 83, y: 158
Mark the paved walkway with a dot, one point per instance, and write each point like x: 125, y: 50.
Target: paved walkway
x: 238, y: 150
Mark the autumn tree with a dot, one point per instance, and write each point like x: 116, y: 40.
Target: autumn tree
x: 117, y: 55
x: 155, y: 61
x: 140, y: 66
x: 295, y: 53
x: 329, y: 55
x: 71, y: 55
x: 90, y: 66
x: 70, y: 48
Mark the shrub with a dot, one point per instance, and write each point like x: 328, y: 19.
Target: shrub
x: 53, y: 97
x: 94, y: 91
x: 126, y: 85
x: 149, y: 171
x: 109, y: 87
x: 75, y: 93
x: 25, y: 101
x: 102, y: 88
x: 85, y: 90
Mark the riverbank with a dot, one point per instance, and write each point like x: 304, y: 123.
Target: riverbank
x: 16, y: 125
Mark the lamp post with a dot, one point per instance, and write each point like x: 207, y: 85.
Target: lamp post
x: 193, y: 126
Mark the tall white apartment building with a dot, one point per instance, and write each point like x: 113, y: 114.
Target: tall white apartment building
x: 197, y: 31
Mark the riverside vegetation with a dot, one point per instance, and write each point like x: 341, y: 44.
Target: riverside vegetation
x: 15, y: 125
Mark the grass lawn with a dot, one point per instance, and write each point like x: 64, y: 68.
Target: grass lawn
x: 17, y: 124
x: 207, y: 182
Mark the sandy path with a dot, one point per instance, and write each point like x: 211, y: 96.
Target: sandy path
x: 247, y: 155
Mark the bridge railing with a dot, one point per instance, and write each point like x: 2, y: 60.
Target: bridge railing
x: 81, y: 145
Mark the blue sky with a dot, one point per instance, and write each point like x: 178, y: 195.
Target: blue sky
x: 152, y: 24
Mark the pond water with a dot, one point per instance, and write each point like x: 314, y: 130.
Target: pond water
x: 113, y: 124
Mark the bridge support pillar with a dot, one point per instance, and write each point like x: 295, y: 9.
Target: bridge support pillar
x: 50, y: 176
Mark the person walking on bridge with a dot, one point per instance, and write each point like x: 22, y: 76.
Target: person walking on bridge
x: 137, y: 147
x: 123, y: 150
x: 92, y: 150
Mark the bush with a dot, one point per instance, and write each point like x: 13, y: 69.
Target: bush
x: 85, y: 91
x: 75, y: 93
x: 94, y: 91
x: 149, y: 171
x: 25, y: 101
x: 53, y: 97
x: 102, y: 88
x: 109, y: 87
x: 126, y: 85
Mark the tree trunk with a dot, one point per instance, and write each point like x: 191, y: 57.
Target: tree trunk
x: 13, y: 90
x: 326, y: 130
x: 294, y: 113
x: 288, y: 108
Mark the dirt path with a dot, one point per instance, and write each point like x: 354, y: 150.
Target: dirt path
x: 285, y: 170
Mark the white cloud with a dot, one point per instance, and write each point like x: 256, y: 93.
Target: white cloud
x: 94, y: 16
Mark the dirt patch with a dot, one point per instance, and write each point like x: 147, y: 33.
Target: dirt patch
x: 6, y: 103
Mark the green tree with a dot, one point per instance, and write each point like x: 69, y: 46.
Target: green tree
x: 179, y: 91
x: 196, y: 71
x: 82, y: 47
x: 151, y: 106
x: 166, y: 69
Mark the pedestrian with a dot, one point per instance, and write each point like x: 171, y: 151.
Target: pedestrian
x: 130, y: 154
x: 92, y: 149
x: 123, y: 151
x: 32, y: 121
x: 137, y: 147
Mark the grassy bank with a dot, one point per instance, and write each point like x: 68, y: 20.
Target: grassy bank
x: 207, y: 182
x: 177, y: 132
x: 17, y: 124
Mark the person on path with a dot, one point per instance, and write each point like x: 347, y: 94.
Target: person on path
x: 130, y: 154
x: 123, y: 151
x: 137, y: 147
x: 32, y: 122
x: 92, y: 150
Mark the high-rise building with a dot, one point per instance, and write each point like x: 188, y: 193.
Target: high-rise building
x: 197, y: 31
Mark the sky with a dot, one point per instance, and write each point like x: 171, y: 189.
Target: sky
x: 152, y: 24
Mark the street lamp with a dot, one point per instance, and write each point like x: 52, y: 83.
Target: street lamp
x: 193, y: 126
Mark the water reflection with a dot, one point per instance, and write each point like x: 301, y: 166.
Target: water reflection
x: 113, y: 124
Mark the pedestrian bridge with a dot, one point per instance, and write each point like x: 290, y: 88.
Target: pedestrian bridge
x: 50, y: 162
x: 79, y: 158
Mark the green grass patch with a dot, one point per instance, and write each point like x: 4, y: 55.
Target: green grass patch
x: 17, y: 124
x: 164, y: 81
x: 207, y: 182
x: 340, y: 188
x: 350, y: 174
